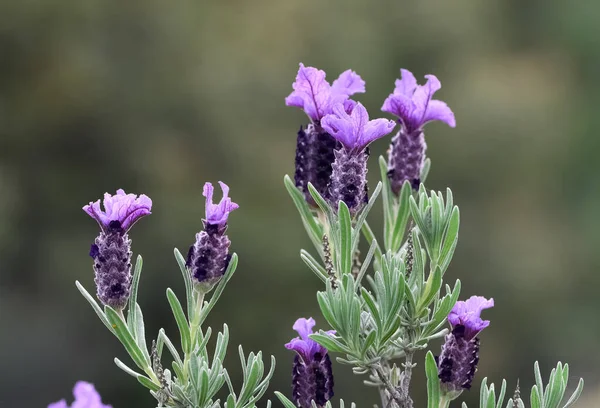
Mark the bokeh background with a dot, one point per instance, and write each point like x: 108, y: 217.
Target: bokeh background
x: 159, y: 97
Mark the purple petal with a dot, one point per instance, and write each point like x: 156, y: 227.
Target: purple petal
x: 377, y: 128
x: 399, y: 105
x: 59, y: 404
x: 407, y: 83
x: 348, y: 83
x: 127, y: 209
x: 467, y: 313
x: 304, y: 327
x: 424, y: 94
x: 311, y: 92
x: 339, y: 125
x: 217, y: 214
x: 354, y: 130
x: 438, y: 110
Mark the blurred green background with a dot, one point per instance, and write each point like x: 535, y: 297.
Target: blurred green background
x: 158, y: 97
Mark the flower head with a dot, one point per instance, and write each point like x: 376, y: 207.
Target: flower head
x: 413, y: 103
x: 216, y: 214
x: 120, y: 210
x: 467, y: 313
x: 354, y: 129
x: 86, y: 396
x: 316, y: 97
x: 306, y: 347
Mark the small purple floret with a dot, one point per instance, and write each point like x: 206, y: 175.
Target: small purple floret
x: 312, y: 376
x: 467, y: 313
x: 86, y: 396
x: 127, y: 209
x: 413, y: 103
x: 316, y: 97
x: 216, y: 214
x: 354, y: 129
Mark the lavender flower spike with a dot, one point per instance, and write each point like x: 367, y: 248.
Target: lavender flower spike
x: 458, y: 360
x: 314, y: 146
x: 354, y: 131
x: 414, y: 107
x: 312, y: 377
x: 111, y: 250
x: 86, y: 396
x: 209, y: 256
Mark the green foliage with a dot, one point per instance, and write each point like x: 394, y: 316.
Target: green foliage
x: 199, y: 375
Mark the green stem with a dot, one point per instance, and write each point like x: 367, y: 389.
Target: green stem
x: 444, y: 401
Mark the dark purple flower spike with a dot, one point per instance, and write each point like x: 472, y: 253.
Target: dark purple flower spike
x: 458, y: 360
x: 414, y: 107
x: 209, y: 256
x: 85, y: 395
x: 312, y: 377
x: 314, y: 146
x: 354, y: 131
x: 111, y: 250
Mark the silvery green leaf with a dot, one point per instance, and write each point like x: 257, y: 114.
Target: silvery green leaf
x: 145, y: 381
x: 425, y: 170
x: 95, y: 306
x: 444, y: 307
x: 323, y: 205
x: 538, y: 380
x: 536, y: 400
x: 450, y: 239
x: 182, y: 323
x: 502, y: 394
x: 433, y: 381
x: 401, y: 218
x: 346, y: 251
x: 222, y: 341
x: 131, y: 313
x: 432, y: 287
x: 313, y: 265
x: 284, y: 400
x: 123, y: 334
x: 164, y: 339
x: 362, y: 216
x: 366, y: 262
x: 187, y: 279
x: 313, y: 228
x: 576, y: 394
x: 139, y: 331
x: 388, y: 197
x: 370, y: 237
x: 330, y: 343
x: 125, y: 368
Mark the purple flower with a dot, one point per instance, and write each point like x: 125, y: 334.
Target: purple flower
x: 126, y: 209
x: 467, y: 313
x: 209, y: 256
x: 414, y: 107
x: 458, y: 360
x: 316, y: 97
x: 312, y: 376
x: 111, y: 250
x: 354, y: 129
x: 413, y: 103
x: 86, y: 396
x: 216, y: 214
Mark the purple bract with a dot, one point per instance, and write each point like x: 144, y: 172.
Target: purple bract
x: 467, y: 313
x: 316, y: 97
x: 413, y: 103
x: 216, y: 214
x: 354, y: 129
x: 86, y: 396
x: 120, y: 210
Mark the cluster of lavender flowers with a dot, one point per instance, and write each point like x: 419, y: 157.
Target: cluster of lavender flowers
x: 400, y: 311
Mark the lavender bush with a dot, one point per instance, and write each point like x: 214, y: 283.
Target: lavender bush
x: 383, y: 309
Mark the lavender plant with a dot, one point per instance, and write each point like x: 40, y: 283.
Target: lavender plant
x: 383, y: 309
x: 197, y: 375
x: 386, y: 307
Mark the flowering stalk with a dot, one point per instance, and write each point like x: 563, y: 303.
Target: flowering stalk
x: 111, y: 250
x: 85, y: 395
x: 355, y: 132
x: 414, y: 107
x: 315, y: 146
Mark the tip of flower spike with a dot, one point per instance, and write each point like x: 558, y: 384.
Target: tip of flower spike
x: 468, y: 314
x: 217, y: 214
x: 124, y: 209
